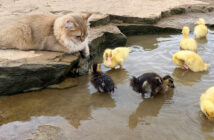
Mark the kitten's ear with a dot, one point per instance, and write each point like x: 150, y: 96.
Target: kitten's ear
x: 86, y: 16
x: 69, y: 24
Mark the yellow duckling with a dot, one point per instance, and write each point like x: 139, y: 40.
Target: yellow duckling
x: 207, y: 103
x: 115, y: 57
x: 187, y: 43
x: 201, y: 29
x: 190, y: 60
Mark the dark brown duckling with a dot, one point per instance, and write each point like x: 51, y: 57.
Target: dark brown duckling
x: 102, y: 82
x: 151, y: 83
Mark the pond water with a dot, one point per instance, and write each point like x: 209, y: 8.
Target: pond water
x: 82, y: 113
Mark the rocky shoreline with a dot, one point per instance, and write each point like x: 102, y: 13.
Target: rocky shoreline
x: 39, y: 69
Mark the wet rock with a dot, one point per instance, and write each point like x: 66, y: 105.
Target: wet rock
x: 32, y: 71
x: 99, y: 20
x: 134, y: 20
x: 189, y: 19
x: 173, y: 11
x: 107, y: 36
x: 200, y: 9
x: 83, y: 66
x: 146, y: 29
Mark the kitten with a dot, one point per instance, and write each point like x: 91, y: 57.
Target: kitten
x: 67, y: 34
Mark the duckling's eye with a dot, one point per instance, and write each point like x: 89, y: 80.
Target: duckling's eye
x: 110, y: 55
x: 170, y: 80
x: 106, y: 55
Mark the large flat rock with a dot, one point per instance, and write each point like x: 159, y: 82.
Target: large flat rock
x: 134, y: 8
x: 188, y: 19
x: 22, y: 71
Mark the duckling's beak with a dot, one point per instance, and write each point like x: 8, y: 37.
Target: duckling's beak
x: 109, y: 60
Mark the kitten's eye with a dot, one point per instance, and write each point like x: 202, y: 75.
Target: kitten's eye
x: 78, y: 36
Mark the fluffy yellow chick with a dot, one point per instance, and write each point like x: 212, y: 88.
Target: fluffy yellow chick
x: 187, y: 43
x: 207, y: 103
x: 115, y: 57
x: 190, y: 60
x: 200, y: 30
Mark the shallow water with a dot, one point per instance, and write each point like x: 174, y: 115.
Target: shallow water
x: 82, y: 113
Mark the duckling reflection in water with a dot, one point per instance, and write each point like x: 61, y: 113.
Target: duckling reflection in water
x: 187, y: 77
x: 150, y: 84
x: 102, y: 100
x: 102, y: 82
x: 149, y: 108
x: 202, y: 41
x: 118, y: 76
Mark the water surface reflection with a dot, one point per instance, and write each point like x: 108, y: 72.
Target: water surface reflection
x: 82, y: 113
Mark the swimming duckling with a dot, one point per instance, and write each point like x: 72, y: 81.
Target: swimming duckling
x: 115, y: 57
x: 151, y: 83
x: 190, y: 60
x: 201, y: 29
x: 187, y: 43
x: 102, y: 82
x: 207, y: 103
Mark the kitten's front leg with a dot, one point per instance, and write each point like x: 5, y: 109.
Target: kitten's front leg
x: 85, y: 52
x: 59, y: 48
x: 51, y: 44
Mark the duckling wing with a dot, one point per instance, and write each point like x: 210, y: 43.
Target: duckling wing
x: 104, y: 83
x: 207, y: 103
x: 200, y: 31
x: 121, y: 53
x: 96, y: 80
x: 210, y: 94
x: 188, y: 44
x: 108, y: 84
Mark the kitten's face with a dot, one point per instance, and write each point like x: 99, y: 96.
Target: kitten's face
x: 76, y: 28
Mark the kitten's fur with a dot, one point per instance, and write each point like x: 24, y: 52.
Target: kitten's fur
x: 68, y: 33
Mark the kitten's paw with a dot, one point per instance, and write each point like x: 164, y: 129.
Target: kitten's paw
x: 84, y: 54
x: 87, y: 54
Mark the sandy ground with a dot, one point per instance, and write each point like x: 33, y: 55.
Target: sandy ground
x: 136, y: 8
